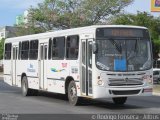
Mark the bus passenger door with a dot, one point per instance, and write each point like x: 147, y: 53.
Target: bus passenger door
x: 86, y: 76
x: 42, y: 66
x: 14, y: 61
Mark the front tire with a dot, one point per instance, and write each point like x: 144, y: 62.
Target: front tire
x: 119, y: 100
x: 72, y: 94
x: 158, y: 81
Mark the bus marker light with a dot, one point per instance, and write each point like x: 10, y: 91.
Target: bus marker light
x: 100, y: 82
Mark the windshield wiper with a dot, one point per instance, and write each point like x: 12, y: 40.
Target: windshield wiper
x: 135, y: 47
x: 118, y: 47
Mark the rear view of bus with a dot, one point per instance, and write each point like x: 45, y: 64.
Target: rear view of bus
x: 123, y: 63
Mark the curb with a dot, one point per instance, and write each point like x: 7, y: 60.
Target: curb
x: 156, y: 94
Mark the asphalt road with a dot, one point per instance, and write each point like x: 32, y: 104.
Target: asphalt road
x: 11, y: 101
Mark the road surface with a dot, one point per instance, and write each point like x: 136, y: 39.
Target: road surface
x: 11, y: 101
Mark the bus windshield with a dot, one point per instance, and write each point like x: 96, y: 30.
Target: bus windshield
x: 123, y: 49
x: 123, y: 54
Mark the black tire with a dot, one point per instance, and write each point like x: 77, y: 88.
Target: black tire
x: 25, y: 90
x: 72, y: 94
x: 119, y: 100
x: 158, y: 81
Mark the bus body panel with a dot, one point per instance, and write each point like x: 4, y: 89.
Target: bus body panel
x: 7, y: 74
x: 51, y: 75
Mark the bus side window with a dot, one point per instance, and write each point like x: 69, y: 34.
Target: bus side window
x: 90, y: 54
x: 8, y: 47
x: 33, y: 50
x: 19, y: 53
x: 25, y: 50
x: 58, y: 48
x: 72, y: 47
x: 50, y: 49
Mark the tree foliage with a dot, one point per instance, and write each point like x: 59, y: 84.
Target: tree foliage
x: 22, y: 30
x: 146, y: 20
x: 1, y: 48
x: 75, y: 13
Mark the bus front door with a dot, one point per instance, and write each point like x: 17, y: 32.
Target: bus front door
x: 42, y: 66
x: 86, y: 76
x: 14, y: 61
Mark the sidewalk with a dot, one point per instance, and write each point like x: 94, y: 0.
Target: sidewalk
x: 156, y: 89
x: 156, y: 93
x: 1, y: 75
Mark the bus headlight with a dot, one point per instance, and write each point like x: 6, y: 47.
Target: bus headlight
x: 100, y: 82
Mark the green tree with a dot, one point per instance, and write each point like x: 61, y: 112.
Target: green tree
x: 1, y: 48
x: 146, y: 20
x: 75, y: 13
x: 22, y: 30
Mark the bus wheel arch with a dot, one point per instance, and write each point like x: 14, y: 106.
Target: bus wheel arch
x: 67, y: 81
x: 23, y: 74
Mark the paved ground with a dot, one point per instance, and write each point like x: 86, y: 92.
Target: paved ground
x: 11, y: 101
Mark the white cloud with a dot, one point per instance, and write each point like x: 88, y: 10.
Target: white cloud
x: 18, y: 4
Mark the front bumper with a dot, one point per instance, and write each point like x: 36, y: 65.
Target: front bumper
x: 103, y: 92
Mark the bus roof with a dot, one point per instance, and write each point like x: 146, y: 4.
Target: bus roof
x: 72, y: 31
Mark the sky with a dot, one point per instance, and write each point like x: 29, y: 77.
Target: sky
x: 9, y: 9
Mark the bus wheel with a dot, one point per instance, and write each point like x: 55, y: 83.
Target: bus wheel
x: 25, y: 90
x: 119, y: 100
x: 72, y: 94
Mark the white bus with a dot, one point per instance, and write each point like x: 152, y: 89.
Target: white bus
x: 101, y: 61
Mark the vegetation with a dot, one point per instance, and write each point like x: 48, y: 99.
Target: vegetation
x: 143, y: 19
x: 62, y: 14
x: 1, y: 48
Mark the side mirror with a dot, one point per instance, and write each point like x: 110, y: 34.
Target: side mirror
x: 94, y: 47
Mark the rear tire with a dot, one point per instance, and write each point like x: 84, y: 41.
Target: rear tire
x: 25, y: 90
x: 119, y: 100
x: 72, y: 94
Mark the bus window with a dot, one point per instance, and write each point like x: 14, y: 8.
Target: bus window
x: 19, y: 53
x: 33, y: 51
x: 8, y: 47
x: 45, y: 52
x: 50, y: 49
x: 25, y: 50
x: 14, y: 53
x: 58, y: 46
x: 90, y: 54
x: 72, y: 47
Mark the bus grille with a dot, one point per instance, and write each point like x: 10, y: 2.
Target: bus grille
x: 128, y: 92
x: 125, y: 82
